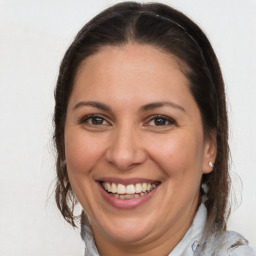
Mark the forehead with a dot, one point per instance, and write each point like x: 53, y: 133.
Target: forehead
x: 129, y: 68
x: 134, y: 54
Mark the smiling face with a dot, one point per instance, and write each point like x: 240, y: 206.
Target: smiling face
x: 135, y: 147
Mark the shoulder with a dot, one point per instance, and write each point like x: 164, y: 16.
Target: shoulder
x: 242, y: 250
x: 229, y: 243
x: 238, y: 245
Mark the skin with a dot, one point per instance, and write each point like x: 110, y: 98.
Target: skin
x: 128, y: 143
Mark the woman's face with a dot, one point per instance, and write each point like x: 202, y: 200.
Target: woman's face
x: 135, y: 146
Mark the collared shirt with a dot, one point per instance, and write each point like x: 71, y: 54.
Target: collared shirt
x: 229, y: 243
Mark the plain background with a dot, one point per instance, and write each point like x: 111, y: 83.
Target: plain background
x: 34, y: 35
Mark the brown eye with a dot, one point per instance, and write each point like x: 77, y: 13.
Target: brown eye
x: 161, y: 121
x: 94, y: 120
x: 97, y: 120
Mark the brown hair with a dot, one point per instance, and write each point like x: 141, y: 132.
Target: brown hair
x: 171, y: 31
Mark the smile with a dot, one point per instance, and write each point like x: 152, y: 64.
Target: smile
x: 130, y: 191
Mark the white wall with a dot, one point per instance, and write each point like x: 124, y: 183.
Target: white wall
x: 34, y: 35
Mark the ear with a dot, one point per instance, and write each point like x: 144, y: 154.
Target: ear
x: 210, y: 151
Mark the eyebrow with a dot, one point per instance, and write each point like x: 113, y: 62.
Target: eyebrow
x: 94, y: 104
x: 146, y: 107
x: 155, y: 105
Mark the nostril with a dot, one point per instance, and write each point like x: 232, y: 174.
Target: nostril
x: 125, y: 158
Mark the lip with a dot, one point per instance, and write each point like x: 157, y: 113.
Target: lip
x: 126, y: 204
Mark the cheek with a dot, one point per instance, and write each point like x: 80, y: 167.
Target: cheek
x: 178, y: 154
x: 82, y: 152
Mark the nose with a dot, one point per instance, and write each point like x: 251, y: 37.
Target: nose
x: 125, y: 149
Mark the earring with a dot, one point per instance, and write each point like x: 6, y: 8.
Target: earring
x: 211, y: 164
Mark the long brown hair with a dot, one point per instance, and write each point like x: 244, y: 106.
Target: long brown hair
x: 171, y: 31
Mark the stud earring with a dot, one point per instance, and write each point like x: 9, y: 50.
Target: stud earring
x: 211, y: 164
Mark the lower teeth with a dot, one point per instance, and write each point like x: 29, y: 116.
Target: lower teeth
x: 128, y: 196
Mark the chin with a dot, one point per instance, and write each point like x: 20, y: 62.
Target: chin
x: 126, y: 231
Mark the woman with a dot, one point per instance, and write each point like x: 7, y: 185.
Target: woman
x: 142, y: 136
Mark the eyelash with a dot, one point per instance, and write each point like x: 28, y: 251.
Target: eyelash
x: 164, y: 118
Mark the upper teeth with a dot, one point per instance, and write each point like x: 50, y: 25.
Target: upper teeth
x: 129, y: 189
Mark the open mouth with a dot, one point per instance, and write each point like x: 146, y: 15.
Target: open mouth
x: 130, y: 191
